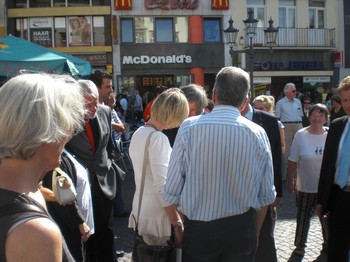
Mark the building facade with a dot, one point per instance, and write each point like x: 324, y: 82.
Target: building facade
x: 175, y: 42
x: 81, y: 28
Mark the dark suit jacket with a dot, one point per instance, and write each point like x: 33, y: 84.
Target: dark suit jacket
x: 98, y: 163
x: 329, y: 160
x: 270, y: 125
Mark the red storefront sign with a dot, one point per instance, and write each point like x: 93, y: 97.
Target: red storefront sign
x: 123, y: 5
x: 219, y: 4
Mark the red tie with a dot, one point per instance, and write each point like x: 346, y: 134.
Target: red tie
x: 90, y: 136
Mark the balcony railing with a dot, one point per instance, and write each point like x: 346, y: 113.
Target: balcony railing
x: 298, y: 37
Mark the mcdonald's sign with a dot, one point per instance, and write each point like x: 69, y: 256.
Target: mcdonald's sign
x: 123, y: 5
x: 219, y: 4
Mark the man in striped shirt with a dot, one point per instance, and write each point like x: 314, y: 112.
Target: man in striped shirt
x: 220, y: 176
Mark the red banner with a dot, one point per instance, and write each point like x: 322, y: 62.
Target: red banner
x: 219, y: 4
x: 123, y: 5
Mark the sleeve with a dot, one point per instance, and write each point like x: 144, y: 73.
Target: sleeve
x: 278, y: 110
x: 159, y: 154
x: 295, y: 147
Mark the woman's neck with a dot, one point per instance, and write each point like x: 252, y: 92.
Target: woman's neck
x: 316, y: 130
x: 155, y: 124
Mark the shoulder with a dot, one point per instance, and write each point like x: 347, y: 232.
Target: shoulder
x: 40, y: 240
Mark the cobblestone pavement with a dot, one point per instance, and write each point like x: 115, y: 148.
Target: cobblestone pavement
x: 284, y: 229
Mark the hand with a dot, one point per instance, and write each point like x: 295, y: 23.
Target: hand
x: 277, y: 202
x: 84, y: 232
x: 178, y: 231
x: 290, y: 183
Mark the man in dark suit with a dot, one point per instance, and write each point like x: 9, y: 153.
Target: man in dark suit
x: 93, y: 148
x: 334, y: 186
x: 266, y: 246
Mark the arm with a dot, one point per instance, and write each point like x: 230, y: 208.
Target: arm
x: 40, y: 240
x: 175, y: 217
x: 283, y: 140
x: 118, y: 127
x: 260, y: 217
x: 292, y: 173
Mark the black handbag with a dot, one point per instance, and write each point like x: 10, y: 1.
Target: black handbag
x: 142, y: 252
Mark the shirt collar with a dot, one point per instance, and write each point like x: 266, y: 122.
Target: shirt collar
x: 249, y: 114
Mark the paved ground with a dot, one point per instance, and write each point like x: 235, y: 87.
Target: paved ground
x: 284, y: 230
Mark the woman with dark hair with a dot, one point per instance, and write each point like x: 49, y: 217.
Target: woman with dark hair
x: 304, y: 165
x: 337, y: 110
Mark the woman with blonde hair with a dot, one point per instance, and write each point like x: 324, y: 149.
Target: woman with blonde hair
x: 156, y: 218
x: 267, y: 104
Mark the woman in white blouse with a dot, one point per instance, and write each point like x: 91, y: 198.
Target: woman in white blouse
x: 156, y: 218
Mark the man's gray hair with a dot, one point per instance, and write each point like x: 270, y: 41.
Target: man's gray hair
x: 287, y: 87
x: 231, y: 86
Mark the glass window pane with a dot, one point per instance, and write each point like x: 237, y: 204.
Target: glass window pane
x: 127, y: 35
x: 282, y: 17
x: 22, y: 28
x: 212, y: 31
x: 78, y: 2
x: 144, y: 30
x: 60, y: 32
x: 256, y: 2
x: 286, y: 2
x: 59, y: 2
x: 101, y: 2
x: 41, y: 30
x: 261, y: 16
x: 99, y: 31
x: 164, y: 30
x: 181, y: 30
x: 320, y: 16
x: 312, y: 18
x: 20, y: 3
x: 291, y: 17
x: 79, y: 30
x: 40, y: 3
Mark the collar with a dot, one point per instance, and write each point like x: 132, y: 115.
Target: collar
x: 249, y: 114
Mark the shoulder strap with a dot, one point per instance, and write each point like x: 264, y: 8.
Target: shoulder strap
x: 145, y: 160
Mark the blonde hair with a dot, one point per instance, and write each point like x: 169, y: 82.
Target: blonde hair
x: 267, y: 101
x: 38, y: 109
x: 170, y: 108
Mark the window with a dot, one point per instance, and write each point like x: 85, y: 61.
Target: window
x: 144, y: 30
x: 41, y: 31
x: 78, y: 2
x: 317, y: 14
x: 20, y: 3
x: 258, y: 7
x: 40, y: 3
x: 60, y: 32
x: 164, y: 30
x: 286, y: 13
x: 99, y: 31
x: 22, y: 28
x: 127, y: 30
x: 181, y: 29
x: 212, y: 30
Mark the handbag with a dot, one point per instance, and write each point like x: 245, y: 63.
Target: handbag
x: 142, y: 252
x: 63, y: 187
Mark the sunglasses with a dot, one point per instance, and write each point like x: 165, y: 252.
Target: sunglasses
x: 293, y: 91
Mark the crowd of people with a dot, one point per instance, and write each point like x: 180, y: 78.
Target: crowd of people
x: 208, y: 173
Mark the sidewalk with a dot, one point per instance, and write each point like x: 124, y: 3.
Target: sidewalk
x: 284, y: 230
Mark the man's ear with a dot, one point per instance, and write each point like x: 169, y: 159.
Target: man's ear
x: 244, y: 107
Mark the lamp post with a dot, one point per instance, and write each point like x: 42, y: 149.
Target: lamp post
x: 230, y: 34
x: 250, y: 31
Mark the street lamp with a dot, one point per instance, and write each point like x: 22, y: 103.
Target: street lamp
x: 230, y: 34
x: 250, y: 31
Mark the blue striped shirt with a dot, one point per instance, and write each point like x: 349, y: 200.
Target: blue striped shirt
x: 221, y: 166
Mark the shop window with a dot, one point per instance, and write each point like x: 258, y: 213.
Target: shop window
x: 164, y: 30
x: 41, y: 31
x: 79, y: 31
x: 212, y: 30
x: 60, y: 32
x: 127, y: 35
x: 99, y: 31
x: 22, y: 28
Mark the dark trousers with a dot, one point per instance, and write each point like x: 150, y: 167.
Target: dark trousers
x: 339, y: 226
x: 227, y: 239
x: 266, y: 247
x: 99, y: 247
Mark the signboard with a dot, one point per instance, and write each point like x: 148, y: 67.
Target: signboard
x: 168, y: 56
x: 123, y: 5
x: 219, y: 4
x: 41, y: 31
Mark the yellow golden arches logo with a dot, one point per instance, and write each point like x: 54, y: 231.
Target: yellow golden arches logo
x: 219, y: 4
x: 123, y: 4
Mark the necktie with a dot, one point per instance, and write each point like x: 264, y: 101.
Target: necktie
x: 90, y: 136
x: 344, y: 162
